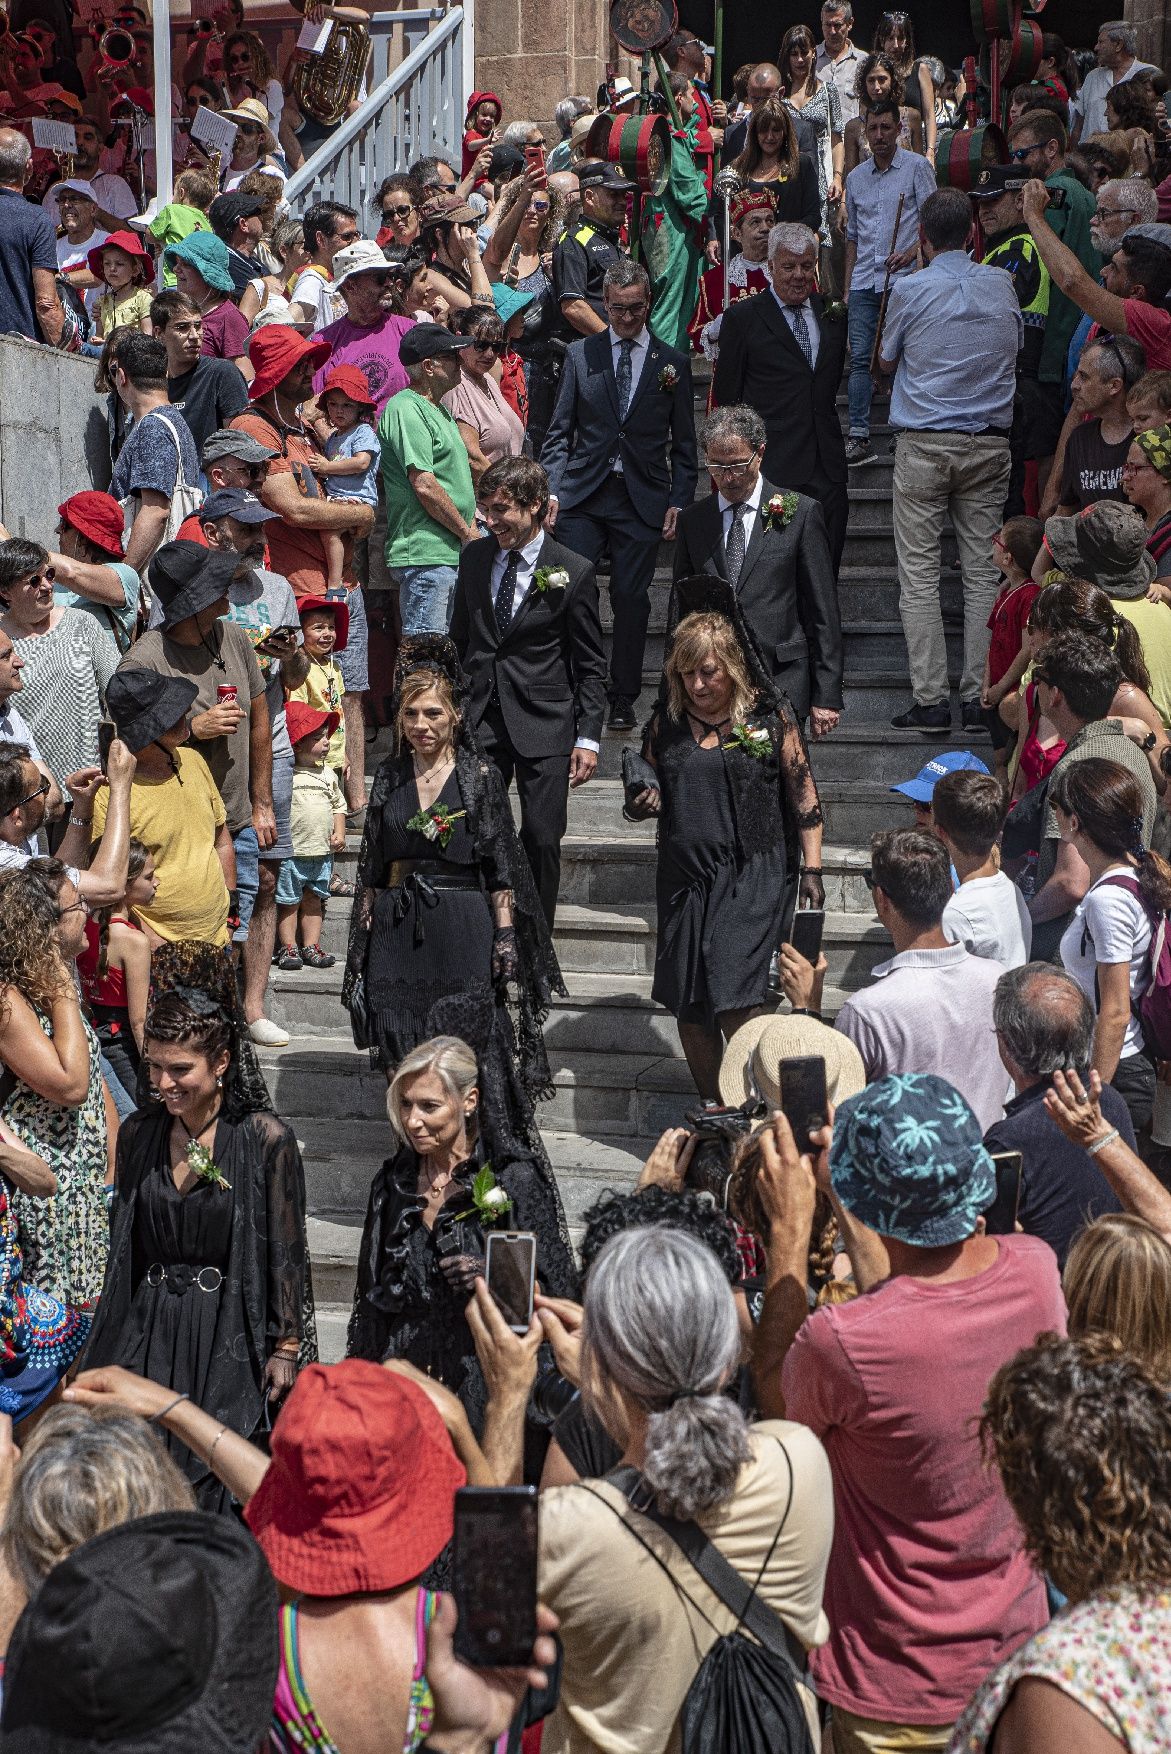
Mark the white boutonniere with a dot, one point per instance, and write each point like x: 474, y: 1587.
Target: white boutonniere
x: 781, y: 510
x: 205, y: 1165
x: 751, y: 739
x: 550, y: 578
x: 668, y: 378
x: 489, y: 1200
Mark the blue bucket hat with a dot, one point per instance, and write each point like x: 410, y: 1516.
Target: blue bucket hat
x: 908, y: 1159
x: 207, y: 254
x: 509, y: 300
x: 919, y: 789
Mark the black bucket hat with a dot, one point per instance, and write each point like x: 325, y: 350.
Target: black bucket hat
x: 144, y: 704
x: 187, y: 577
x: 159, y: 1635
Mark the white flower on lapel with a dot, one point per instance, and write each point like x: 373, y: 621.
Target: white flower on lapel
x: 668, y: 378
x: 781, y: 510
x: 550, y: 578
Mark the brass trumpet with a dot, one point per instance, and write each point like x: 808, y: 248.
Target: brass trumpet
x: 117, y: 50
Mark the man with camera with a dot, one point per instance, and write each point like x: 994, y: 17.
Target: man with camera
x: 953, y: 416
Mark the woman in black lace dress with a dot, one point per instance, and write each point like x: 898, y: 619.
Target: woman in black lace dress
x: 735, y: 799
x: 446, y: 902
x: 206, y: 1287
x: 454, y: 1110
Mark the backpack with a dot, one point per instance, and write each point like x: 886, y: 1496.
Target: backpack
x: 1153, y: 1007
x: 745, y: 1696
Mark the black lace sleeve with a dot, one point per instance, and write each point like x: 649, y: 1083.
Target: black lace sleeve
x: 536, y: 1207
x: 370, y: 877
x: 289, y: 1296
x: 799, y: 795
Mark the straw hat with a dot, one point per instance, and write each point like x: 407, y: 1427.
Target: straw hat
x: 252, y: 110
x: 752, y: 1059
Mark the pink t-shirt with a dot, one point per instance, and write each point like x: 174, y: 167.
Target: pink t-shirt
x: 225, y: 332
x: 929, y: 1586
x: 1150, y: 326
x: 374, y: 351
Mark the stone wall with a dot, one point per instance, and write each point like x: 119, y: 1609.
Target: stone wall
x: 53, y: 438
x: 1149, y: 18
x: 535, y: 52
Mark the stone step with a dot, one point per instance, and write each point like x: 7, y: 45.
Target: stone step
x: 872, y: 594
x: 870, y: 749
x: 880, y: 645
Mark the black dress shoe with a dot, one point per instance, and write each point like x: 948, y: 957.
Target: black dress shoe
x: 972, y: 715
x: 621, y: 717
x: 924, y: 718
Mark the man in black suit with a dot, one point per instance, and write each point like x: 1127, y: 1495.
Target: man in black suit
x: 781, y: 355
x: 778, y: 564
x: 625, y: 399
x: 525, y: 624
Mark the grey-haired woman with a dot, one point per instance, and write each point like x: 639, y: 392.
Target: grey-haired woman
x: 659, y: 1343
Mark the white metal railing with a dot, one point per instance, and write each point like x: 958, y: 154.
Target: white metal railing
x: 417, y: 108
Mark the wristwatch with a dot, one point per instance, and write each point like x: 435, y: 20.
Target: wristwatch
x: 1149, y: 741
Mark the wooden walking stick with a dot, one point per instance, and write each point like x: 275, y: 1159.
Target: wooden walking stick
x: 876, y: 350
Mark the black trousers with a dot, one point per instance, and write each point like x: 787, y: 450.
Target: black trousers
x: 608, y: 521
x: 542, y: 784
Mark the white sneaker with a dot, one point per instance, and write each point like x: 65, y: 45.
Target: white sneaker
x: 267, y: 1034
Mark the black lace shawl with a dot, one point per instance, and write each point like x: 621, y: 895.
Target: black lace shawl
x: 503, y: 862
x: 774, y: 795
x: 266, y: 1285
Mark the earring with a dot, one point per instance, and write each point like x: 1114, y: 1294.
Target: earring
x: 219, y: 1083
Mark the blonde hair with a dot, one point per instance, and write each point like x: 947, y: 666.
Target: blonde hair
x: 80, y: 1473
x: 696, y: 638
x: 419, y: 682
x: 1117, y: 1281
x: 453, y: 1063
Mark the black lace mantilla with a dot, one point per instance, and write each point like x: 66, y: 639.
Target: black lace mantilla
x: 499, y: 852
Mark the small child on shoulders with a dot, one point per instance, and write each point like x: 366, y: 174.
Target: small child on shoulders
x: 352, y: 453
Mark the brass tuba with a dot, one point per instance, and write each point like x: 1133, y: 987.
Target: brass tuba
x: 324, y: 86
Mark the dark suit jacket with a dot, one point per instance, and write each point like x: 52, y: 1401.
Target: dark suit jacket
x: 786, y: 593
x: 549, y: 667
x: 585, y: 435
x: 760, y: 363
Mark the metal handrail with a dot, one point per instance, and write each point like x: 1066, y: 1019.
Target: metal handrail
x: 347, y: 139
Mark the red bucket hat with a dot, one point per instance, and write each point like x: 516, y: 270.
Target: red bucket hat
x: 97, y: 516
x: 351, y: 381
x: 360, y: 1493
x: 302, y: 720
x: 341, y: 616
x: 275, y: 350
x: 119, y: 240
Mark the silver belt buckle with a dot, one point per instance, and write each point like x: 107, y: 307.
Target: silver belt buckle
x: 219, y: 1279
x: 155, y: 1268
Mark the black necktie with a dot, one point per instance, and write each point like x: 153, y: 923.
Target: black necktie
x: 507, y: 591
x: 801, y: 331
x: 623, y: 376
x: 735, y: 545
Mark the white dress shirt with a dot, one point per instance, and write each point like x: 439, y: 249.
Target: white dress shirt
x: 727, y: 508
x: 526, y: 572
x: 811, y: 324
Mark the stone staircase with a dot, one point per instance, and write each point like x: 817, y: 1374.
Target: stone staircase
x: 618, y: 1069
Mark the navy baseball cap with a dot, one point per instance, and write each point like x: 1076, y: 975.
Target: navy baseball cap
x: 919, y: 789
x: 599, y: 173
x: 234, y: 502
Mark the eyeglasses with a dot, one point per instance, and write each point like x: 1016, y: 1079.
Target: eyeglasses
x: 389, y: 213
x: 1106, y: 212
x: 1129, y: 468
x: 733, y: 468
x: 41, y: 792
x: 628, y: 310
x: 499, y: 348
x: 80, y: 906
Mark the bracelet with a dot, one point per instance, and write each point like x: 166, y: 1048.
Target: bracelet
x: 1097, y: 1145
x: 804, y: 1011
x: 811, y: 870
x: 81, y: 821
x: 222, y: 1432
x: 287, y: 1349
x: 163, y: 1411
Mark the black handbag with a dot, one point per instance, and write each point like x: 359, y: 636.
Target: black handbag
x: 637, y: 776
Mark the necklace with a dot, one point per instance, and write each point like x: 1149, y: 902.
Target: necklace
x: 210, y: 1122
x: 427, y: 773
x: 707, y: 723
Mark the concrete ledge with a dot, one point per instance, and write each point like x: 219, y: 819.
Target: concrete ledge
x: 56, y: 440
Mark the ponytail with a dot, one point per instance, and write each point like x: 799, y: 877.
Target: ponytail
x: 1128, y: 649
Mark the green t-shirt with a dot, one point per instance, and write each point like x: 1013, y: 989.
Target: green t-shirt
x: 1072, y: 225
x: 171, y: 224
x: 415, y: 434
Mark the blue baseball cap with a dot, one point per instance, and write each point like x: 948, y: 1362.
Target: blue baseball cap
x: 919, y: 789
x: 234, y: 502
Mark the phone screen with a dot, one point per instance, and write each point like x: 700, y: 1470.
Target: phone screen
x: 1000, y: 1218
x: 804, y: 1103
x: 494, y: 1574
x: 510, y: 1270
x: 806, y: 933
x: 107, y: 731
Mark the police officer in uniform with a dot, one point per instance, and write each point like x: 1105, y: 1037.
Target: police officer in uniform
x: 586, y: 249
x: 1009, y: 244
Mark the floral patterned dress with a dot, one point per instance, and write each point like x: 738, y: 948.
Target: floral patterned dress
x: 1111, y: 1653
x: 65, y: 1240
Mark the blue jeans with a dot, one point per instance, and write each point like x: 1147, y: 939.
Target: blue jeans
x: 425, y: 594
x: 123, y: 1098
x: 247, y: 849
x: 863, y: 326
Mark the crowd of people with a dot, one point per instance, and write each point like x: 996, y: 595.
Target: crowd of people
x: 877, y: 1388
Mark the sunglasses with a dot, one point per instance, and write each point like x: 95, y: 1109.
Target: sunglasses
x: 40, y: 792
x: 45, y: 577
x: 1019, y: 153
x: 244, y: 60
x: 499, y: 348
x: 249, y: 127
x: 389, y: 213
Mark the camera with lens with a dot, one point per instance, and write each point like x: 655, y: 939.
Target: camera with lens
x: 718, y: 1132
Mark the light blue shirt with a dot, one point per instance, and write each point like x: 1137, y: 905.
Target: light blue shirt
x: 362, y: 488
x: 956, y: 330
x: 124, y: 614
x: 872, y: 200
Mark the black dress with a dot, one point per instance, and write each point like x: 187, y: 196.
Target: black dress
x: 725, y: 820
x: 427, y: 939
x: 404, y: 1307
x: 200, y: 1286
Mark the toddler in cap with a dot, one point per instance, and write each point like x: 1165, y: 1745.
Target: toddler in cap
x: 318, y: 831
x: 352, y: 454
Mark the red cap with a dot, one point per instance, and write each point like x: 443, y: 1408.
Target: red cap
x: 359, y: 1495
x: 483, y: 97
x: 351, y: 381
x: 341, y: 614
x: 752, y: 201
x: 275, y: 350
x: 119, y: 240
x: 97, y: 516
x: 302, y: 720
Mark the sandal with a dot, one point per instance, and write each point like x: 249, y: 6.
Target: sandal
x: 339, y: 886
x: 289, y: 959
x: 313, y: 956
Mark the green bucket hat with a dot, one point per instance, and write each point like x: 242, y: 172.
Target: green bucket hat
x: 207, y: 254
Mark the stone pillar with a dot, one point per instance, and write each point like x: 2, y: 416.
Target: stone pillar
x: 1149, y: 18
x: 532, y: 54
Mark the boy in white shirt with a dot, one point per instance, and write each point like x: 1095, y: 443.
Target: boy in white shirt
x: 987, y: 914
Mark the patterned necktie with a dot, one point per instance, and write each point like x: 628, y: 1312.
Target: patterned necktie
x: 507, y: 591
x: 801, y: 332
x: 625, y: 349
x: 734, y: 546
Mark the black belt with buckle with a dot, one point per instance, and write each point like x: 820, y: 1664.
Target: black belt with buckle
x: 419, y: 881
x: 182, y: 1276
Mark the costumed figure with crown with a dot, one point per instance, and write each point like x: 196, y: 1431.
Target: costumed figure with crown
x: 725, y: 770
x: 752, y: 212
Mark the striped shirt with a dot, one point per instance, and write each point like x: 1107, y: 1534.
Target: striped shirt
x: 65, y: 675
